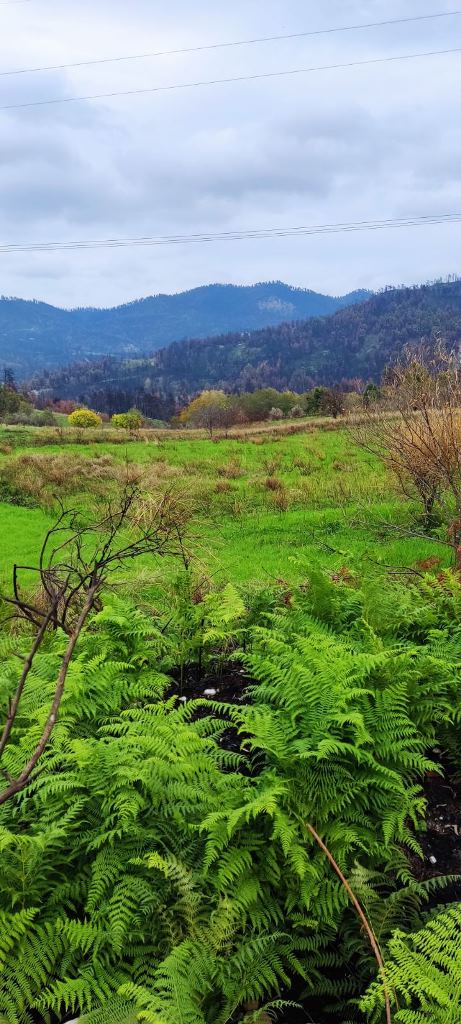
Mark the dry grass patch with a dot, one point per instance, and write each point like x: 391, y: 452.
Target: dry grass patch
x: 223, y: 487
x: 231, y: 470
x: 44, y: 478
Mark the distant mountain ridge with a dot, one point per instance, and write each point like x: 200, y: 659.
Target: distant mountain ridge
x: 36, y: 336
x: 357, y: 341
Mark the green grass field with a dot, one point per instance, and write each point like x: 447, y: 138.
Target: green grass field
x: 262, y: 503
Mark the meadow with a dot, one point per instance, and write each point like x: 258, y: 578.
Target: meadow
x: 261, y: 503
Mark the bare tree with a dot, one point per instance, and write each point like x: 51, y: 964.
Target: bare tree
x: 75, y: 564
x: 416, y: 430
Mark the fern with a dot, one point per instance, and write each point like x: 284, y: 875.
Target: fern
x: 150, y: 875
x: 424, y: 970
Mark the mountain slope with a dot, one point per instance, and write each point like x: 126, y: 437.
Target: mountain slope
x: 34, y: 335
x: 357, y: 341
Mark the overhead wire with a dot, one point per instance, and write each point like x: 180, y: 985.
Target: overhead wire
x: 232, y: 236
x: 232, y: 43
x: 225, y: 81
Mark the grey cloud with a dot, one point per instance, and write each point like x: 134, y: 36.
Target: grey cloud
x: 297, y: 150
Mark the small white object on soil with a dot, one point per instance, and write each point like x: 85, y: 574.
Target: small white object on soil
x: 210, y: 693
x: 433, y: 860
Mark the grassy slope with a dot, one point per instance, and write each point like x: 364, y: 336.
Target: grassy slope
x: 327, y: 494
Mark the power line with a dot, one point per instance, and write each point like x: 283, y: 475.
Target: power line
x: 232, y: 43
x: 232, y: 236
x: 225, y: 81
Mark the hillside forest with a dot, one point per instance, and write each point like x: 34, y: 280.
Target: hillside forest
x: 35, y: 335
x: 358, y: 341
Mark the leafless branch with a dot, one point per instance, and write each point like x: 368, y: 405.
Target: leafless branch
x: 416, y: 431
x: 75, y: 563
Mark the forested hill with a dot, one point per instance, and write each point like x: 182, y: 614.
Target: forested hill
x: 35, y: 336
x: 358, y: 341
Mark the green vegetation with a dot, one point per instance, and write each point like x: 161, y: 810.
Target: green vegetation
x: 33, y: 332
x: 155, y: 872
x: 218, y: 807
x: 131, y: 420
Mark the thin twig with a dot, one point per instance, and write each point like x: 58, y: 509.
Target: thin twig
x: 361, y: 913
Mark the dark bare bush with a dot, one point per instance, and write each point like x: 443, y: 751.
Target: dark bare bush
x: 76, y: 561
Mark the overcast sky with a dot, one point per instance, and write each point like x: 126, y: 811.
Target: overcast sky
x: 358, y: 144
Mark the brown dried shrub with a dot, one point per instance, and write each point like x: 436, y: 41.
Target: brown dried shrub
x: 273, y: 483
x: 281, y: 500
x: 223, y: 487
x: 305, y: 467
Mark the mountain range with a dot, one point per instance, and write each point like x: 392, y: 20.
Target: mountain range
x: 36, y: 336
x: 359, y: 340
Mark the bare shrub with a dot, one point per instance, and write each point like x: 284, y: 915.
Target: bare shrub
x: 76, y: 562
x: 416, y: 433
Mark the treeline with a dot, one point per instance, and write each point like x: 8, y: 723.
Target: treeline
x: 211, y: 409
x: 356, y: 342
x: 215, y: 410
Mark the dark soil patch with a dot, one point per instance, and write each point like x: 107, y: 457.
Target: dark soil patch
x: 227, y: 686
x: 441, y: 843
